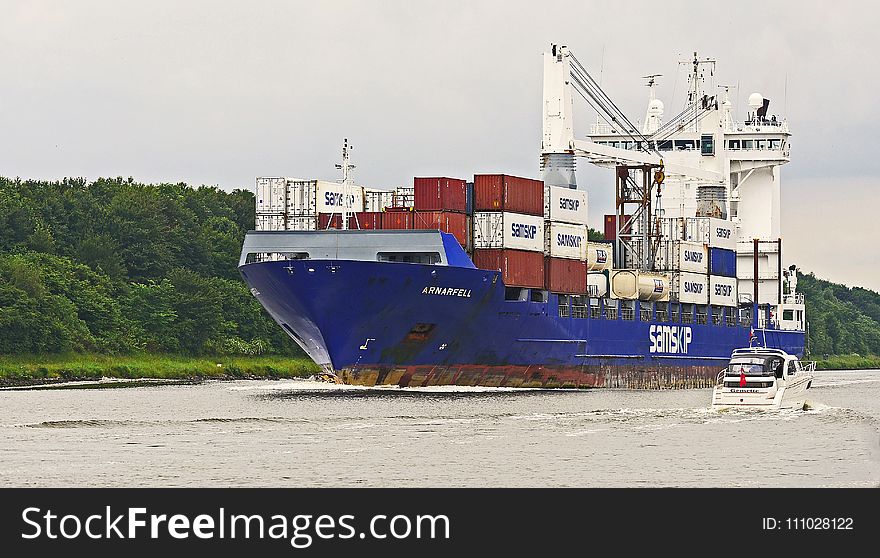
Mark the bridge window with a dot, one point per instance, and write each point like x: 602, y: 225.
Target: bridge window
x: 516, y: 294
x: 733, y: 145
x: 707, y: 144
x: 409, y: 257
x: 760, y: 144
x: 682, y: 145
x: 748, y: 144
x: 538, y: 295
x: 775, y: 144
x: 788, y: 314
x: 664, y: 145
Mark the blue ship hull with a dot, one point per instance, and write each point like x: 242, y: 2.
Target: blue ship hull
x: 410, y: 324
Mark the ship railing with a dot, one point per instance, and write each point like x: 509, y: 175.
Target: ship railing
x: 701, y: 318
x: 627, y: 313
x: 809, y: 366
x: 595, y: 312
x: 719, y: 379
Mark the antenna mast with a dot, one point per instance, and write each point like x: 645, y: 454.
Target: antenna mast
x: 347, y: 183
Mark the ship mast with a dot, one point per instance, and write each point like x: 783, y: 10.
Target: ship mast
x: 347, y: 190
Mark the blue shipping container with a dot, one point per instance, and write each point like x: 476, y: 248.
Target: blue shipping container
x: 722, y: 262
x: 469, y: 198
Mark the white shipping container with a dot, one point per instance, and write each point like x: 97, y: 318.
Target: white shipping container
x: 271, y: 195
x: 564, y: 240
x: 600, y: 256
x: 310, y: 197
x: 404, y: 196
x: 597, y: 284
x: 680, y: 255
x: 508, y: 230
x: 269, y: 222
x: 722, y: 234
x: 565, y: 205
x: 377, y: 200
x: 690, y: 288
x: 302, y: 222
x: 722, y: 290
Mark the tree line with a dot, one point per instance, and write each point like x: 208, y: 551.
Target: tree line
x: 115, y: 266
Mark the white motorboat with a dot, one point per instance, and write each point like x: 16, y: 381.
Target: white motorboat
x: 763, y: 378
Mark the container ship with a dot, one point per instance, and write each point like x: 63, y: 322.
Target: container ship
x: 493, y: 279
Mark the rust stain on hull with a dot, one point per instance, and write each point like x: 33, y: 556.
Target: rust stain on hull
x: 538, y: 376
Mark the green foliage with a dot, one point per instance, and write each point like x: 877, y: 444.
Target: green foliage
x: 595, y: 236
x: 118, y: 267
x: 842, y: 321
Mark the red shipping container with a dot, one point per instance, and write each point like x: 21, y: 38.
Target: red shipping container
x: 446, y: 221
x: 325, y: 218
x: 440, y: 194
x: 611, y: 226
x: 518, y: 268
x: 566, y: 276
x: 501, y: 192
x: 367, y: 220
x: 397, y: 220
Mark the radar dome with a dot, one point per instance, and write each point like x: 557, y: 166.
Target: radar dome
x: 655, y: 107
x: 756, y: 100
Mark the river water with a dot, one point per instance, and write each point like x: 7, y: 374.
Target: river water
x: 307, y: 434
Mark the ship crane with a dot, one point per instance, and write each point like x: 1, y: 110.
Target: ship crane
x: 639, y: 171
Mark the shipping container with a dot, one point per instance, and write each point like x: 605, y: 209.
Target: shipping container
x: 302, y: 222
x: 501, y: 192
x: 329, y: 221
x: 508, y: 230
x: 632, y: 284
x: 690, y: 288
x: 469, y: 207
x: 397, y: 220
x: 311, y: 197
x: 403, y: 197
x: 367, y: 220
x: 611, y: 226
x: 451, y: 222
x: 565, y: 240
x: 377, y: 200
x: 271, y: 195
x: 722, y: 290
x: 565, y: 205
x: 681, y: 255
x: 722, y: 262
x: 717, y: 233
x: 565, y: 275
x: 597, y: 284
x: 519, y: 268
x: 440, y: 194
x: 269, y: 222
x: 600, y: 256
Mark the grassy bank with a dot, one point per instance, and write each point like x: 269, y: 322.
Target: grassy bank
x: 24, y: 369
x: 847, y: 362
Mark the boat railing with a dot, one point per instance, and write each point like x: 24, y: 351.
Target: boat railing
x: 809, y: 366
x: 719, y: 379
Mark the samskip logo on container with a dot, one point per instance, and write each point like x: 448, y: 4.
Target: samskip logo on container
x: 521, y: 230
x: 691, y: 256
x: 722, y: 232
x: 569, y: 240
x: 693, y: 287
x: 569, y: 204
x: 336, y: 199
x: 669, y: 339
x: 723, y: 290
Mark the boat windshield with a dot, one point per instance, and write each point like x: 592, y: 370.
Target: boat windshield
x: 750, y: 366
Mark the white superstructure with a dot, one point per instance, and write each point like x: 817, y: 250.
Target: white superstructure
x: 705, y: 150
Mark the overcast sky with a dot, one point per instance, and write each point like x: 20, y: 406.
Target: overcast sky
x: 214, y: 92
